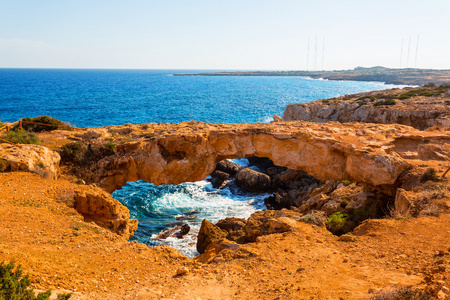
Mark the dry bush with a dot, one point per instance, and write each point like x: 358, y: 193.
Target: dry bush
x: 404, y: 293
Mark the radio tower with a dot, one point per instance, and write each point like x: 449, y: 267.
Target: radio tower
x: 409, y: 47
x: 401, y: 54
x: 323, y: 51
x: 307, y: 57
x: 417, y: 49
x: 315, y: 53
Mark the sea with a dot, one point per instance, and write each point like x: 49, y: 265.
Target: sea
x: 93, y: 98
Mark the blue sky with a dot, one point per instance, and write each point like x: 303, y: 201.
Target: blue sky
x: 200, y: 34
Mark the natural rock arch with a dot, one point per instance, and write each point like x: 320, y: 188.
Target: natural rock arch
x: 189, y: 151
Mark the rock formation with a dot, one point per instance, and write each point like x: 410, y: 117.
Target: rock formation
x: 98, y: 206
x: 417, y: 112
x: 174, y: 153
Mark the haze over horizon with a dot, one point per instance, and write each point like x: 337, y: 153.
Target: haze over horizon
x: 232, y: 35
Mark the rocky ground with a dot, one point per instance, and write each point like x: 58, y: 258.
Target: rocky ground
x: 62, y: 252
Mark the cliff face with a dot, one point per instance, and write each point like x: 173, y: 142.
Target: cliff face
x: 174, y: 153
x: 418, y: 112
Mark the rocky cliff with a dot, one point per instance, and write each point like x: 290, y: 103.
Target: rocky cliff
x: 420, y: 108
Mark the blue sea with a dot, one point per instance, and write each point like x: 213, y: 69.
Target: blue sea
x: 92, y: 98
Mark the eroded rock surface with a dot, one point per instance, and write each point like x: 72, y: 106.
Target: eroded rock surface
x: 418, y: 112
x: 98, y: 206
x: 174, y: 153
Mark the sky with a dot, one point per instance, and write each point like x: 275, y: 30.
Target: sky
x: 224, y: 35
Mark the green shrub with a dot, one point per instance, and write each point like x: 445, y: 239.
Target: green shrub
x: 81, y: 154
x: 427, y: 92
x: 344, y: 203
x: 429, y: 84
x: 347, y: 182
x: 40, y: 128
x: 111, y: 145
x: 21, y: 137
x: 73, y: 152
x: 4, y: 165
x: 336, y: 222
x: 385, y: 102
x: 15, y: 286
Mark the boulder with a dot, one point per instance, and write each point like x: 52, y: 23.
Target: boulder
x: 253, y: 181
x: 276, y: 118
x: 209, y: 234
x: 218, y: 178
x: 228, y: 167
x: 99, y: 206
x: 178, y: 231
x: 267, y: 222
x: 403, y: 204
x: 32, y: 158
x: 234, y: 227
x: 183, y: 231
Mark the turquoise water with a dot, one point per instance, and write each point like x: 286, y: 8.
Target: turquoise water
x: 90, y: 98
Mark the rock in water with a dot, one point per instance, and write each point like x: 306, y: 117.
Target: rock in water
x: 183, y: 231
x: 253, y: 181
x: 218, y: 177
x: 209, y: 233
x: 228, y: 167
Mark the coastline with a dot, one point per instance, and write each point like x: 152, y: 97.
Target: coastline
x: 408, y: 77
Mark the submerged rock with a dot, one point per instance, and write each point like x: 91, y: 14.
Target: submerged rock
x: 183, y: 231
x: 218, y: 178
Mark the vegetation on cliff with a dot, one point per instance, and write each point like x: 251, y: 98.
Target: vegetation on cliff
x: 21, y: 137
x: 46, y: 123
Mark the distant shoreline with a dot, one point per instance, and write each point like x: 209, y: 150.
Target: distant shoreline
x: 380, y: 74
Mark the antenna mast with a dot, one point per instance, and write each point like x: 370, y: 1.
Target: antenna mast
x: 401, y: 54
x: 315, y: 54
x: 307, y: 57
x: 323, y: 51
x: 417, y: 49
x: 409, y: 47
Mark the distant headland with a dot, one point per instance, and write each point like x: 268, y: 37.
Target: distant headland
x: 407, y: 76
